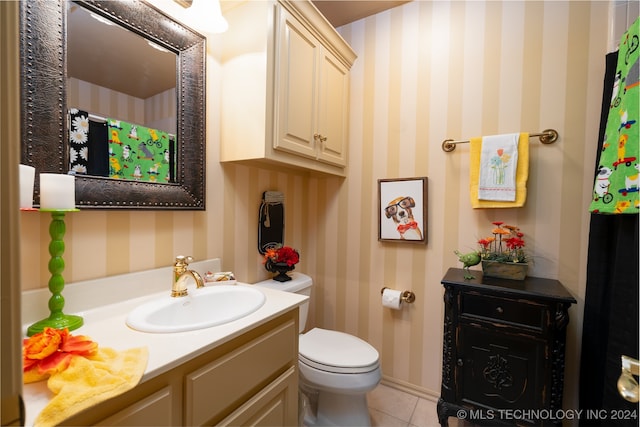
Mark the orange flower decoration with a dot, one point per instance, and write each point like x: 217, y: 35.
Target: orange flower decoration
x: 491, y: 247
x: 270, y: 255
x: 500, y: 231
x: 51, y: 350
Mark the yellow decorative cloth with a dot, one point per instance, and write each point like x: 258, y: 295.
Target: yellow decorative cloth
x: 522, y: 174
x: 91, y: 380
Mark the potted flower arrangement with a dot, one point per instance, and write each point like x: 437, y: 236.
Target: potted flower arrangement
x: 281, y: 259
x: 503, y: 253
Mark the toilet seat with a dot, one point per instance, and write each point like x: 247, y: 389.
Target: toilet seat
x: 337, y: 352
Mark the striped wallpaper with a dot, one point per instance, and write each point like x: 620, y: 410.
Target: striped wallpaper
x: 426, y: 71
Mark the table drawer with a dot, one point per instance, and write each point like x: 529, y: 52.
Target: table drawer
x: 495, y: 309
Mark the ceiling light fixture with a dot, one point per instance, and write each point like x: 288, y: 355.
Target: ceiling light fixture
x: 204, y: 15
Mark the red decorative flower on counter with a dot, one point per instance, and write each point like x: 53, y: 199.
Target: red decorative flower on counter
x: 51, y: 351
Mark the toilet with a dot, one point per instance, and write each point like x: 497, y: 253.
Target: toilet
x: 336, y: 369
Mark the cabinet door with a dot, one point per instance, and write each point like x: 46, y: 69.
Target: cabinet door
x: 154, y: 410
x: 275, y: 405
x: 333, y: 111
x: 218, y: 387
x: 499, y: 369
x: 297, y: 88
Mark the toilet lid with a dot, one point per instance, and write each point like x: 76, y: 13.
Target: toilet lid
x: 335, y: 351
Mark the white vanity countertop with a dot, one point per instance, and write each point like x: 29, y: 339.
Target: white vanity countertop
x: 106, y: 326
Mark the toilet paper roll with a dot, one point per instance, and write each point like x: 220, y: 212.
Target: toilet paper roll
x: 392, y: 298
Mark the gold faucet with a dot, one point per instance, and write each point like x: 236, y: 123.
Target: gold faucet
x: 180, y: 275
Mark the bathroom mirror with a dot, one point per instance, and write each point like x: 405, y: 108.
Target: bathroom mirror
x: 44, y: 84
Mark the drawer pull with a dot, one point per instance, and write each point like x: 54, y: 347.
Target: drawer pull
x: 460, y: 362
x: 499, y: 310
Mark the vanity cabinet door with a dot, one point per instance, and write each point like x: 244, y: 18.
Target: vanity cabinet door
x: 156, y: 402
x: 275, y: 405
x: 220, y: 387
x: 153, y: 410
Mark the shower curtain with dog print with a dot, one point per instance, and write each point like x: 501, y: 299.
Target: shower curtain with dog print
x: 617, y: 180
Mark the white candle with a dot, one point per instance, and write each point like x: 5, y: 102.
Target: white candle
x: 57, y: 191
x: 27, y: 176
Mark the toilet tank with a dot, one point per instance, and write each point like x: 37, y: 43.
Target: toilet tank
x: 299, y: 284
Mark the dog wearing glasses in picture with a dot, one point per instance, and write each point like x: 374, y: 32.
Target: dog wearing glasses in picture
x: 399, y: 210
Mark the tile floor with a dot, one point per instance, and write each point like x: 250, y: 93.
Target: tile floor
x: 390, y: 407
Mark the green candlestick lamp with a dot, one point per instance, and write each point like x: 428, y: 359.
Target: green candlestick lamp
x: 57, y: 319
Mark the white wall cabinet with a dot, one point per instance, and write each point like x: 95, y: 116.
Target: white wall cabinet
x: 286, y: 92
x: 251, y: 380
x: 313, y: 96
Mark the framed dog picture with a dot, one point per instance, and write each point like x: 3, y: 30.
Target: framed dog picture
x: 402, y: 210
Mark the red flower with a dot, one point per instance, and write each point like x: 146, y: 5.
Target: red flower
x: 514, y: 243
x: 51, y: 350
x: 288, y: 255
x: 284, y: 254
x: 492, y: 247
x: 484, y: 243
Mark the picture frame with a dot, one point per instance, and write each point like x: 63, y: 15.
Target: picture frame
x: 402, y: 210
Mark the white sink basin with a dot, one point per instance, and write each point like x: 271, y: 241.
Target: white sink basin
x: 202, y: 308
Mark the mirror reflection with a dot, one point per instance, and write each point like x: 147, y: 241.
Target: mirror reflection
x: 121, y: 96
x: 53, y: 85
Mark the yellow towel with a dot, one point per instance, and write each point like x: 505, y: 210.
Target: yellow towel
x: 90, y: 380
x: 522, y: 174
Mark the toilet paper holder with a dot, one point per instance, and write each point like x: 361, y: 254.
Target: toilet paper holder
x: 407, y: 296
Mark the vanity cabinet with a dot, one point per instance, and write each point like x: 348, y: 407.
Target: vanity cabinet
x: 285, y: 91
x: 503, y: 349
x: 249, y: 380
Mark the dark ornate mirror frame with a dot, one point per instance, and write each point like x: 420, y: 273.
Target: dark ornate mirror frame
x: 44, y: 104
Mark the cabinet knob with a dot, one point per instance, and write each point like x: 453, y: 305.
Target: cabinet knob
x: 319, y: 137
x: 460, y: 362
x: 499, y: 310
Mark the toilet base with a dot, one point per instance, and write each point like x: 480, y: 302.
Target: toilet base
x: 339, y: 410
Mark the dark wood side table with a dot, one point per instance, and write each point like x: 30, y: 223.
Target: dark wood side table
x: 503, y: 349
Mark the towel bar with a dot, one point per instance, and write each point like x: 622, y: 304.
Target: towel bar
x: 547, y: 136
